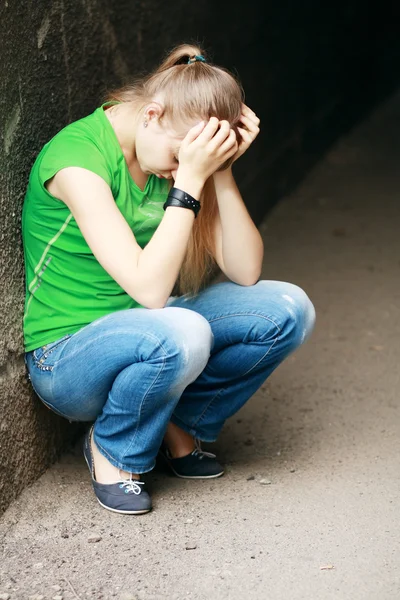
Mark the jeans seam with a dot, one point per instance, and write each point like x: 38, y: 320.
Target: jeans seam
x: 108, y: 334
x: 252, y: 315
x: 262, y: 358
x: 221, y: 390
x: 140, y: 409
x: 246, y: 314
x: 46, y: 353
x: 93, y: 340
x: 144, y: 399
x: 208, y: 406
x: 50, y: 369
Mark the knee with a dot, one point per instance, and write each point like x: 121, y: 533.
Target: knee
x: 300, y: 311
x: 192, y: 336
x: 293, y: 309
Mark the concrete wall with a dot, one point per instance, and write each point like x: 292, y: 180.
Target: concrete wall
x: 308, y: 71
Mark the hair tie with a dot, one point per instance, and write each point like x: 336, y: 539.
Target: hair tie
x: 195, y: 58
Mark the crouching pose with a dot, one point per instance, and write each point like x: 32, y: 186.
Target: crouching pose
x: 128, y: 212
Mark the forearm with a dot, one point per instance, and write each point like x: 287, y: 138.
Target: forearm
x: 242, y: 245
x: 160, y: 261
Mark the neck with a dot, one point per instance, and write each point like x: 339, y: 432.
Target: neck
x: 123, y: 120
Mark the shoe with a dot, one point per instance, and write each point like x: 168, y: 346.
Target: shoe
x: 127, y: 496
x: 196, y: 465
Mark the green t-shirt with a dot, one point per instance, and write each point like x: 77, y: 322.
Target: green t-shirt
x: 66, y: 287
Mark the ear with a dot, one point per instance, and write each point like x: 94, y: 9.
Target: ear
x: 153, y: 111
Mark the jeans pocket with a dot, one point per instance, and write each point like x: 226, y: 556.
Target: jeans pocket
x: 47, y: 356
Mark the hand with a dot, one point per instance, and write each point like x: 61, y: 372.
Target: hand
x: 249, y: 132
x: 205, y: 148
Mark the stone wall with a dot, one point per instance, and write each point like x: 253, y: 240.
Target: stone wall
x: 308, y: 71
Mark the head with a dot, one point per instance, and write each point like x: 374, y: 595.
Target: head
x: 175, y: 97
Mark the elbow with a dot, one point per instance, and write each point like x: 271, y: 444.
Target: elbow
x: 157, y: 304
x: 254, y: 276
x: 150, y: 300
x: 251, y: 281
x: 147, y: 294
x: 248, y: 279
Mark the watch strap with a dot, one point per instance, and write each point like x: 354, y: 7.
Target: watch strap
x: 184, y: 199
x: 175, y: 202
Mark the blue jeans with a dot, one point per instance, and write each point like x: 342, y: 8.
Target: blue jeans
x: 194, y: 362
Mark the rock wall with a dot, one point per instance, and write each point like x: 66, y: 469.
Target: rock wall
x: 308, y: 71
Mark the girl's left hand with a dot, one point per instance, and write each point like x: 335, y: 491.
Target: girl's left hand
x: 249, y: 132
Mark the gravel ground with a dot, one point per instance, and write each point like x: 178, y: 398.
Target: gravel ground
x: 309, y: 506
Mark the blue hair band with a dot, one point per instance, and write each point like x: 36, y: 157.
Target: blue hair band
x: 197, y: 57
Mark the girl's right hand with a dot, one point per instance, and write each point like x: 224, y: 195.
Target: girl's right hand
x: 205, y: 148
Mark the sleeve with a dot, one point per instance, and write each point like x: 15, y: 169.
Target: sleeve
x: 73, y: 149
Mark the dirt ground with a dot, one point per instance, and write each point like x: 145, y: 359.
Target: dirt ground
x: 309, y: 506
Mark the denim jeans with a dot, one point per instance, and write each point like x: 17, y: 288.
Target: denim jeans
x: 194, y: 362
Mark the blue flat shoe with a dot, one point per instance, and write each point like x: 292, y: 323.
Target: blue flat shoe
x: 127, y: 496
x: 196, y: 465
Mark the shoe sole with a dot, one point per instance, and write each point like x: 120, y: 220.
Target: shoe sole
x: 115, y: 510
x: 189, y: 476
x: 124, y: 512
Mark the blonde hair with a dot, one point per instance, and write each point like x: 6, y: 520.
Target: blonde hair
x: 195, y: 90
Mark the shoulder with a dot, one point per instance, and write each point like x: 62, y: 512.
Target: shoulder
x: 89, y: 129
x: 85, y: 143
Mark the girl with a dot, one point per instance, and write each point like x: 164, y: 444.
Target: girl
x: 127, y: 213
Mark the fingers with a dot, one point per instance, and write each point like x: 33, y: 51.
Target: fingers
x: 194, y: 132
x: 220, y: 136
x: 247, y: 112
x: 251, y: 123
x: 246, y: 135
x: 230, y: 145
x: 209, y: 130
x: 224, y: 143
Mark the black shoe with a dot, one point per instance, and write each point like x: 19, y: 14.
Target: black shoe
x: 196, y: 465
x: 126, y: 496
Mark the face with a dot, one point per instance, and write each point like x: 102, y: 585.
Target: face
x: 157, y: 145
